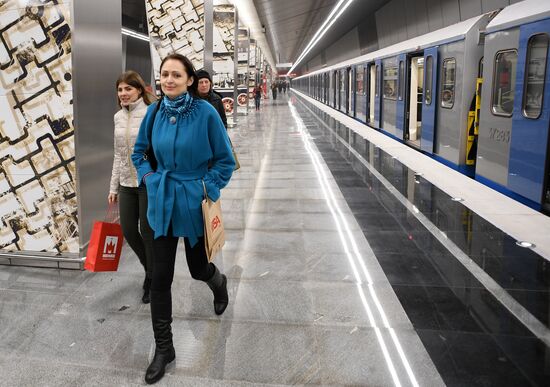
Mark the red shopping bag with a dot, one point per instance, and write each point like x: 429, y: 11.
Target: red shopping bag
x: 105, y: 243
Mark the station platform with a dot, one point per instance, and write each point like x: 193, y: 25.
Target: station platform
x: 350, y: 261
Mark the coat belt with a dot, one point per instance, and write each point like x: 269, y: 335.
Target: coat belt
x: 164, y: 204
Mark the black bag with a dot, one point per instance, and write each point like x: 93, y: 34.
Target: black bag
x: 149, y: 154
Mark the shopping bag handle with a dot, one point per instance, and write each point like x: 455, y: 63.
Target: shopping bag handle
x: 113, y: 214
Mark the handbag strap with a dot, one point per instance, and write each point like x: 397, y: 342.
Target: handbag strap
x: 152, y: 123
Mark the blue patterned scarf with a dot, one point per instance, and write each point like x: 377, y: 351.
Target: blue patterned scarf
x: 179, y: 105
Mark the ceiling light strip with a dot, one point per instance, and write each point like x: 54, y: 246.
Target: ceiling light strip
x: 334, y: 10
x: 322, y: 31
x: 134, y: 34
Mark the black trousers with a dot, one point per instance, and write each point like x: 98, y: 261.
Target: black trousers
x: 165, y: 258
x: 257, y: 101
x: 132, y: 203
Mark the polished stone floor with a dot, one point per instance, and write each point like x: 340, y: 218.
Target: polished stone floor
x: 333, y: 280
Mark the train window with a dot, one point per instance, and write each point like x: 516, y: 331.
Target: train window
x: 401, y: 79
x: 504, y: 82
x: 377, y: 81
x: 429, y: 81
x: 448, y: 83
x: 390, y: 82
x: 537, y: 52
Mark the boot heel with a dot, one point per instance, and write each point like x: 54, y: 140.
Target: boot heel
x: 170, y: 367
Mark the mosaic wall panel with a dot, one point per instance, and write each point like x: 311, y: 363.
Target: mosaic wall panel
x: 38, y: 204
x: 176, y: 26
x: 224, y: 54
x: 243, y: 46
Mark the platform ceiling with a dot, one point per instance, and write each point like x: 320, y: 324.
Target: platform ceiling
x: 291, y: 24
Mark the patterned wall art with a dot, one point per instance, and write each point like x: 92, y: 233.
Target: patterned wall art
x: 243, y: 46
x: 176, y: 26
x: 38, y: 203
x: 224, y: 53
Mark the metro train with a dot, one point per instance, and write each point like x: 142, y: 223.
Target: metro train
x: 474, y: 95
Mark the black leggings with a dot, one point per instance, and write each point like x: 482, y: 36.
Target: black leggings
x: 165, y: 259
x: 132, y: 203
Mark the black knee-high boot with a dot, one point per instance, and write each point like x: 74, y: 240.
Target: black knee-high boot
x: 161, y: 315
x: 218, y: 285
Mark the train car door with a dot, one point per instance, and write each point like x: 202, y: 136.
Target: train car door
x: 372, y: 93
x: 351, y: 91
x: 413, y: 116
x: 315, y: 86
x: 327, y: 87
x: 360, y: 93
x: 332, y: 96
x: 529, y: 164
x: 430, y: 100
x: 343, y: 90
x: 336, y: 93
x: 400, y: 108
x: 345, y: 98
x: 324, y: 91
x: 378, y: 95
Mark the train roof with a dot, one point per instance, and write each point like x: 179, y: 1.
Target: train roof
x: 520, y: 13
x: 444, y: 35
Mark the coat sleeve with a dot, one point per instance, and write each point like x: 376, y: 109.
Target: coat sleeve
x: 142, y: 165
x: 222, y: 163
x: 115, y: 174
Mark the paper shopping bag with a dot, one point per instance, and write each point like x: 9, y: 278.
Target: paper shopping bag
x: 214, y: 232
x: 105, y: 247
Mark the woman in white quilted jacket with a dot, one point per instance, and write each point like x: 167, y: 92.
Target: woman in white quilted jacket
x: 133, y: 100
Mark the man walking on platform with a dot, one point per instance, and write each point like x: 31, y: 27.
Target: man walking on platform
x: 206, y: 93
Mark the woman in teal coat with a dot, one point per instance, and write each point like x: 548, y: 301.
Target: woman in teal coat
x: 191, y: 146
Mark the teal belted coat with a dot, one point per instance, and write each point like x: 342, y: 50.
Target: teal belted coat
x: 189, y: 147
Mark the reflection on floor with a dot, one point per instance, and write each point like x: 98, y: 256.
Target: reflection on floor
x: 471, y: 337
x: 332, y: 281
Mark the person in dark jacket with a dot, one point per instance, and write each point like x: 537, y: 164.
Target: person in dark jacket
x: 257, y: 96
x: 205, y: 92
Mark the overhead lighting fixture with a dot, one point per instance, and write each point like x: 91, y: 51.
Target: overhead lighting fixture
x: 330, y: 20
x: 134, y: 34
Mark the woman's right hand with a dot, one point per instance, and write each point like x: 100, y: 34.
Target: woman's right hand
x: 112, y: 198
